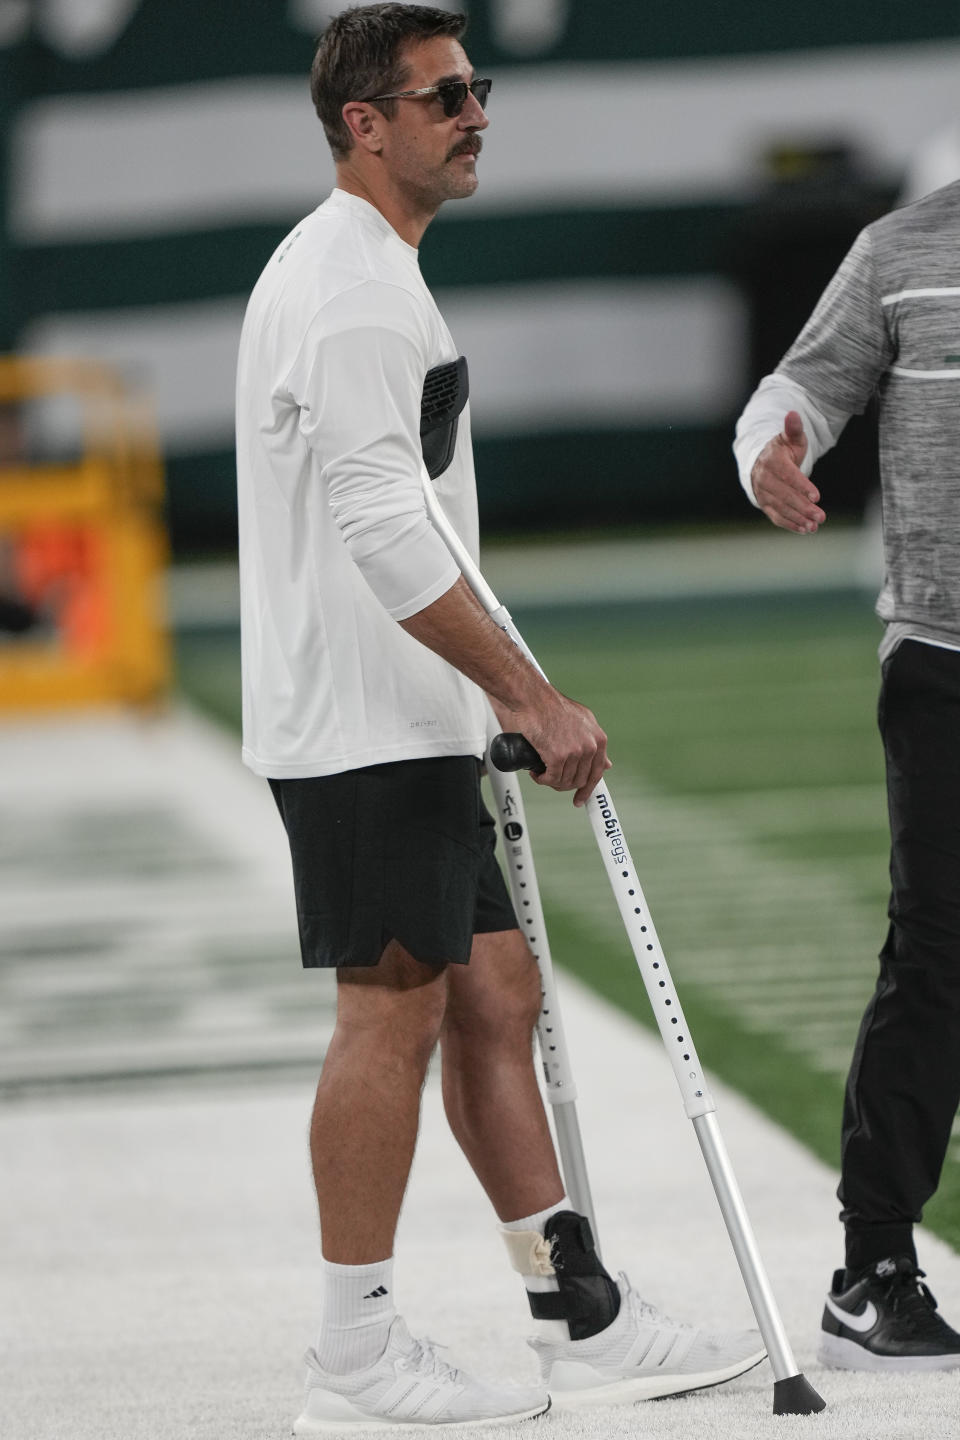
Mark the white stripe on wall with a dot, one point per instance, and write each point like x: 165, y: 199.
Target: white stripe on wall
x: 156, y: 161
x: 551, y: 356
x: 601, y: 353
x: 183, y: 356
x: 164, y: 160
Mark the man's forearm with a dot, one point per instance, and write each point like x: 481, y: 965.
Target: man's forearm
x: 564, y: 733
x: 457, y: 628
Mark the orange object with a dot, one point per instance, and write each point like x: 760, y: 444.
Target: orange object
x: 85, y: 547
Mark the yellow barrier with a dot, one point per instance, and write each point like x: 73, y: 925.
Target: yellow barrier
x: 84, y: 548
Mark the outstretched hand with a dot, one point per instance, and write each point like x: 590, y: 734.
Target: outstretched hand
x: 785, y: 495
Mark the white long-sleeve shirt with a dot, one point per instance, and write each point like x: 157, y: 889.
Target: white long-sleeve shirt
x: 335, y: 542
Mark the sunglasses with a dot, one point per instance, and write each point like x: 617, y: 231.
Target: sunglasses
x: 452, y: 94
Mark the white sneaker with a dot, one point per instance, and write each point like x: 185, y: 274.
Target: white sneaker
x: 641, y: 1355
x: 410, y: 1386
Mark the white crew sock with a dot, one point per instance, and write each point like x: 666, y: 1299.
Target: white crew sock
x: 356, y: 1315
x: 543, y: 1284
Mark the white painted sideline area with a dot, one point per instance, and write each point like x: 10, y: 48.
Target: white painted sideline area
x: 159, y: 1241
x: 754, y: 560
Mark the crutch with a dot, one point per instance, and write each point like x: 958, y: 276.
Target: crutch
x: 445, y: 390
x: 558, y: 1075
x: 792, y: 1392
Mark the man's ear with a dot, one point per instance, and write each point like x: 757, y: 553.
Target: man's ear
x: 365, y: 124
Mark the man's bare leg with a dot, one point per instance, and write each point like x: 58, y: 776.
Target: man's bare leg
x: 367, y: 1110
x: 490, y: 1089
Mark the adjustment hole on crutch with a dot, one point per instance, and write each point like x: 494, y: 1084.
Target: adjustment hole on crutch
x: 668, y: 1002
x: 553, y: 1047
x: 662, y: 984
x: 631, y: 892
x: 644, y: 929
x: 626, y: 874
x: 674, y: 1022
x: 636, y: 909
x: 649, y: 947
x: 656, y: 964
x: 687, y: 1057
x: 526, y: 902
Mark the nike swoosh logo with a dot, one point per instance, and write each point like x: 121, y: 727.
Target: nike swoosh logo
x: 863, y: 1322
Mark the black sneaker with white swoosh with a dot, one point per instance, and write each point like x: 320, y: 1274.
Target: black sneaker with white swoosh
x: 885, y: 1318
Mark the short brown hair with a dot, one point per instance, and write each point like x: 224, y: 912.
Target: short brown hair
x: 360, y: 54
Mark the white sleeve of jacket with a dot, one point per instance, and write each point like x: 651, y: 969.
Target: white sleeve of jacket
x: 763, y: 418
x: 359, y: 381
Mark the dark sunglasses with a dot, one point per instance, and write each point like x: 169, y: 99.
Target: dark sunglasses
x: 452, y: 94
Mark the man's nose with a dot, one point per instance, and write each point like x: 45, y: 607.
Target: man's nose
x: 473, y: 116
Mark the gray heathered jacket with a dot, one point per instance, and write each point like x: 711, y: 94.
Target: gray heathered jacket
x: 889, y: 323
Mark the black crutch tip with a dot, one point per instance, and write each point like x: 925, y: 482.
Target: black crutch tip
x: 796, y: 1396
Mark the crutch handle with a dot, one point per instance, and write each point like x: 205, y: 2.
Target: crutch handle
x: 514, y: 752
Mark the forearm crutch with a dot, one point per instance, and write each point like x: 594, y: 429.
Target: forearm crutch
x: 558, y: 1074
x: 792, y: 1392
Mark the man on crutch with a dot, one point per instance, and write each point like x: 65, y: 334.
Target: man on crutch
x: 365, y: 661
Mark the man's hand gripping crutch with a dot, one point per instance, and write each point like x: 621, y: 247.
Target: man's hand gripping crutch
x: 793, y: 1394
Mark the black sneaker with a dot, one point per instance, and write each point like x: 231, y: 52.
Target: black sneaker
x: 886, y: 1319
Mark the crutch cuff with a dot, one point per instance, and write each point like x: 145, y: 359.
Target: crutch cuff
x: 529, y: 1252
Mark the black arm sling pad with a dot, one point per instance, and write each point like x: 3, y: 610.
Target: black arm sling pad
x: 445, y: 392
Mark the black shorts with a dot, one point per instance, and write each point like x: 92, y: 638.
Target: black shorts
x: 403, y: 852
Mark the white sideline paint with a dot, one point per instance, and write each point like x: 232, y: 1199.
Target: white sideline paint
x: 645, y: 350
x: 160, y: 1244
x: 757, y: 561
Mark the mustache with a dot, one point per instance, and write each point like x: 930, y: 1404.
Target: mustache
x: 471, y: 146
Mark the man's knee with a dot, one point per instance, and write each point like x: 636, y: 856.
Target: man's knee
x: 400, y: 1002
x: 499, y: 992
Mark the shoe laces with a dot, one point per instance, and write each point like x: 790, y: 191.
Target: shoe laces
x: 913, y: 1300
x: 426, y: 1362
x: 642, y: 1310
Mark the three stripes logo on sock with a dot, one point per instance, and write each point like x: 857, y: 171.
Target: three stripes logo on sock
x: 375, y: 1294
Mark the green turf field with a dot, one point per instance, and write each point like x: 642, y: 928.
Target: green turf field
x: 748, y: 776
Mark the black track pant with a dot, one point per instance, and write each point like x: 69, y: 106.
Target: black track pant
x: 904, y: 1081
